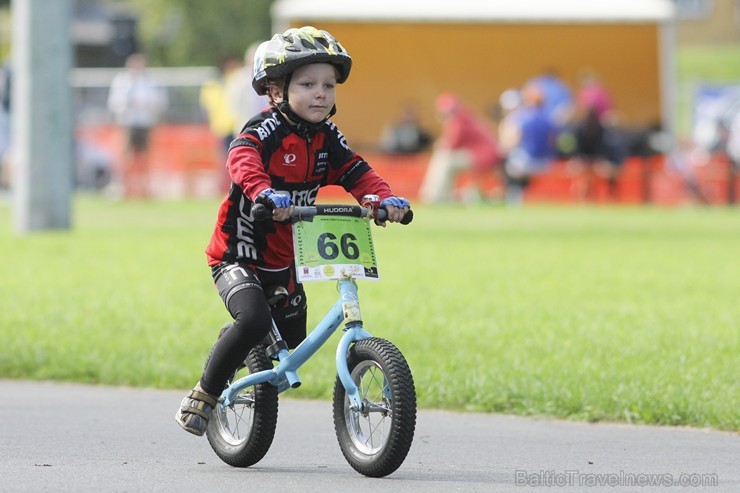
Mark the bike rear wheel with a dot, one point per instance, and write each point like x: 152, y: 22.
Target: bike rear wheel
x: 376, y: 440
x: 242, y: 433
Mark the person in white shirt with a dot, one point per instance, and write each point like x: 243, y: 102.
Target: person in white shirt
x: 137, y: 104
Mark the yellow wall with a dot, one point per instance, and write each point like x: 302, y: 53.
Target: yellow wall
x: 395, y: 63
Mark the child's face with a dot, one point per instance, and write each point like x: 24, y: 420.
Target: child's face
x: 312, y: 91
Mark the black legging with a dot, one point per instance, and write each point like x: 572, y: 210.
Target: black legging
x: 251, y: 325
x: 243, y: 292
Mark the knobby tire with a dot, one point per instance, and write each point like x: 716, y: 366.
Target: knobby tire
x: 247, y: 445
x: 385, y: 382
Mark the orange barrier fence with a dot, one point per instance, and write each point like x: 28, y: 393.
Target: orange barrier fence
x: 186, y: 161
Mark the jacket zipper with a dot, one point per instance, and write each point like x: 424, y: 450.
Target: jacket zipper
x: 308, y: 158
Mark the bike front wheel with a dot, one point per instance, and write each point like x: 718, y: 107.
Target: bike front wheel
x: 376, y: 439
x: 242, y: 433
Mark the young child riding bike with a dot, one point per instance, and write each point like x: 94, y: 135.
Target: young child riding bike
x: 281, y: 158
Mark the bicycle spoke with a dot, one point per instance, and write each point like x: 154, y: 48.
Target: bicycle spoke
x: 373, y: 432
x: 375, y: 380
x: 238, y: 419
x: 242, y: 432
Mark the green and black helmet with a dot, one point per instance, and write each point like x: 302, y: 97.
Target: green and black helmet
x: 280, y: 56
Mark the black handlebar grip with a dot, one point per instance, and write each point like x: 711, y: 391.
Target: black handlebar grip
x: 408, y: 217
x: 261, y: 212
x: 382, y: 216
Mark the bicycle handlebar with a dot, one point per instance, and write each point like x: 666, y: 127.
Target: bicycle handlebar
x: 261, y: 212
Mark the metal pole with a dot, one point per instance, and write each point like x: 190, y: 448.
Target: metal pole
x: 42, y: 120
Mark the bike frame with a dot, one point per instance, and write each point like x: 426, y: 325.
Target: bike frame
x: 285, y: 375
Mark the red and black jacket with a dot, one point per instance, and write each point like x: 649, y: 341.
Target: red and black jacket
x: 270, y: 153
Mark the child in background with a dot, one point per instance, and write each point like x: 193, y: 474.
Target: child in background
x: 281, y: 158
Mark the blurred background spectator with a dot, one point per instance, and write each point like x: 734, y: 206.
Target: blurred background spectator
x: 221, y: 112
x: 684, y: 161
x: 528, y: 137
x: 599, y: 144
x: 557, y: 98
x: 137, y: 103
x: 592, y: 95
x: 466, y: 143
x: 244, y: 101
x: 93, y: 165
x: 405, y: 135
x: 4, y: 123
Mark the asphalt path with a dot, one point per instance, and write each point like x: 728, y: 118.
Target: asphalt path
x: 79, y: 438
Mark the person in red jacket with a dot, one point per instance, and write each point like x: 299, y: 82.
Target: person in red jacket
x: 466, y: 143
x: 281, y: 158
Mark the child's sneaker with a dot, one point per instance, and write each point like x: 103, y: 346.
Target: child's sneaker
x: 195, y: 410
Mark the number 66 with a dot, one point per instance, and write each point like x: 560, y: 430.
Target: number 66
x: 329, y: 250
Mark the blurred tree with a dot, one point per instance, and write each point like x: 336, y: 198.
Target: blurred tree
x: 5, y: 33
x: 194, y: 32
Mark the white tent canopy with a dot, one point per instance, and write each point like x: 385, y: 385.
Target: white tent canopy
x: 659, y: 13
x: 536, y: 11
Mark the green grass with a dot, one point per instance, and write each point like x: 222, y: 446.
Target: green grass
x: 618, y: 314
x: 712, y: 62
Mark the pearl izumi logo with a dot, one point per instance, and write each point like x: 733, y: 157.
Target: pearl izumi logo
x: 289, y: 160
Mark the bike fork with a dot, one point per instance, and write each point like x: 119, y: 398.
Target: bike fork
x: 353, y: 333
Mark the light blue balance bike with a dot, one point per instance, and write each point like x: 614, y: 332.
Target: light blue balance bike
x: 374, y: 394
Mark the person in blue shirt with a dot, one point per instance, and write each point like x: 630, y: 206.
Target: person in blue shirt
x: 528, y: 136
x: 557, y: 98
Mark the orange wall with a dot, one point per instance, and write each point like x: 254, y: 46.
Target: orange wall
x: 395, y: 63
